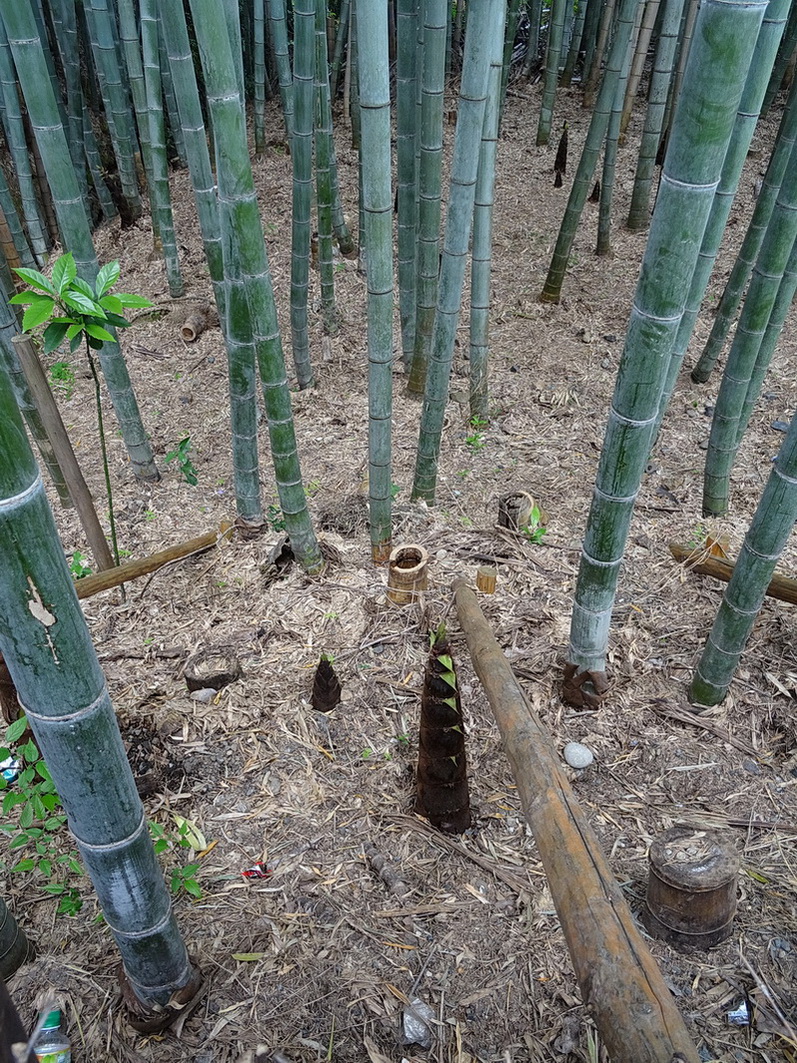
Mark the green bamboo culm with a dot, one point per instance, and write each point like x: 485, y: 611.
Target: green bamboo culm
x: 553, y: 54
x: 484, y: 37
x: 713, y: 81
x: 663, y: 64
x: 15, y: 949
x: 430, y: 168
x: 302, y: 156
x: 323, y: 170
x: 378, y: 203
x: 47, y: 647
x: 118, y: 111
x: 72, y: 218
x: 766, y: 537
x: 181, y: 63
x: 480, y: 288
x: 245, y: 242
x: 259, y: 65
x: 765, y: 283
x: 746, y: 118
x: 406, y: 138
x: 279, y: 32
x: 64, y: 20
x: 596, y: 135
x: 18, y: 148
x: 751, y: 245
x: 603, y: 245
x: 161, y: 197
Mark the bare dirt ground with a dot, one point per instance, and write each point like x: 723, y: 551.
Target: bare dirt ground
x: 318, y: 960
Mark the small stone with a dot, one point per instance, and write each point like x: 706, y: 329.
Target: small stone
x: 204, y: 695
x: 577, y: 755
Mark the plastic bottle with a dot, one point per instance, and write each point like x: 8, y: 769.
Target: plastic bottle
x: 52, y: 1045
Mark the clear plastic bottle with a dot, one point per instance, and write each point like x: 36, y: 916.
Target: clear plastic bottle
x: 52, y: 1045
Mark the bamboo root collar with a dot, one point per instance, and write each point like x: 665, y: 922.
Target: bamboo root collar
x: 633, y: 1008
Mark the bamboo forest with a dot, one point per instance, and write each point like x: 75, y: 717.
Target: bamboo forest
x: 398, y: 466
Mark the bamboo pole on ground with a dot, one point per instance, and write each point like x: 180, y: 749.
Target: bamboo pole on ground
x: 633, y: 1009
x: 784, y: 588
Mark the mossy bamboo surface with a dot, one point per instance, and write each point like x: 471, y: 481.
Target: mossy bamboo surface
x: 721, y: 53
x: 406, y: 174
x: 245, y: 245
x: 746, y: 119
x: 156, y: 127
x: 302, y: 157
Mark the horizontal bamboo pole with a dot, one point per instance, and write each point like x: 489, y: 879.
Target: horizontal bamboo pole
x: 781, y: 587
x: 112, y: 577
x: 633, y: 1009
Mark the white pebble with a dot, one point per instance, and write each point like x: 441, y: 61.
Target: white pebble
x: 577, y: 756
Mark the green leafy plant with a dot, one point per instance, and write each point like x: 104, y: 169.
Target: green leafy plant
x: 476, y: 439
x: 79, y: 313
x: 78, y: 566
x: 275, y: 518
x: 179, y: 454
x: 187, y: 836
x: 534, y: 529
x: 62, y: 378
x: 33, y: 820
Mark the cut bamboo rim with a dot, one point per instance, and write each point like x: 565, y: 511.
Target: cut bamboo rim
x: 407, y: 573
x: 691, y: 895
x: 194, y: 325
x: 486, y: 579
x: 514, y: 510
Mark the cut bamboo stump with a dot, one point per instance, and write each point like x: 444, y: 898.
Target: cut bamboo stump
x: 194, y: 325
x: 781, y: 587
x: 633, y: 1009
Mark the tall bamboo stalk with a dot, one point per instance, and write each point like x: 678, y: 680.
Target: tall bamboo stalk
x: 72, y: 219
x: 302, y: 156
x: 638, y: 214
x: 245, y: 256
x: 323, y: 170
x: 483, y: 44
x: 596, y: 133
x: 279, y: 32
x: 406, y: 175
x: 553, y: 54
x: 378, y: 204
x: 751, y: 245
x: 47, y: 647
x: 766, y: 537
x: 721, y: 53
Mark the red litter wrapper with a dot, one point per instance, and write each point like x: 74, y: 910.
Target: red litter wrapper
x: 258, y: 870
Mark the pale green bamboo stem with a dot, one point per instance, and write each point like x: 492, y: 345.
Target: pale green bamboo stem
x: 721, y: 52
x: 374, y: 85
x: 302, y: 156
x: 406, y: 138
x: 279, y: 35
x: 553, y: 54
x: 323, y: 171
x: 483, y: 44
x: 48, y: 650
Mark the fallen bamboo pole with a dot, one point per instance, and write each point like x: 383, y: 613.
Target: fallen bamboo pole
x: 781, y: 587
x: 112, y: 577
x: 620, y: 983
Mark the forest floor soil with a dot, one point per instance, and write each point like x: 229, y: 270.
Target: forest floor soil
x: 319, y: 959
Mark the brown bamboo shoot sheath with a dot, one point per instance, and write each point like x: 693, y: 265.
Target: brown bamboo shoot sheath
x: 112, y: 577
x: 620, y: 982
x: 56, y: 433
x: 781, y: 587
